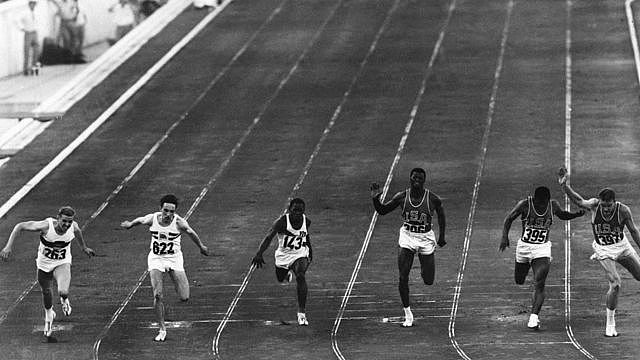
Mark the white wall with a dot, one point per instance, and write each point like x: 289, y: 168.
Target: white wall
x: 98, y: 28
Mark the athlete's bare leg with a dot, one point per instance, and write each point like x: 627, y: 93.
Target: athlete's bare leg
x: 632, y: 264
x: 405, y: 261
x: 62, y: 274
x: 299, y: 268
x: 158, y: 299
x: 521, y: 270
x: 427, y: 268
x: 540, y: 268
x: 45, y: 279
x: 613, y: 277
x: 181, y: 284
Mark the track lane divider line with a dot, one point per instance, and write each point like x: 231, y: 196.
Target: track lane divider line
x: 327, y: 130
x: 476, y: 186
x: 396, y: 159
x: 307, y: 167
x: 212, y: 180
x: 6, y: 207
x: 633, y: 35
x: 107, y: 113
x: 567, y: 163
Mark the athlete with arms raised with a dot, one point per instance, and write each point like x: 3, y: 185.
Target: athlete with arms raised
x: 610, y: 246
x: 534, y: 248
x: 416, y: 233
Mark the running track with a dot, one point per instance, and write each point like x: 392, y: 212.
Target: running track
x: 282, y: 98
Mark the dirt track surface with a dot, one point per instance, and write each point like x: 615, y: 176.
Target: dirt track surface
x: 312, y: 109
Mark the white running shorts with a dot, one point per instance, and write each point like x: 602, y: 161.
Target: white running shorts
x: 525, y: 252
x: 422, y: 243
x: 165, y: 263
x: 613, y: 252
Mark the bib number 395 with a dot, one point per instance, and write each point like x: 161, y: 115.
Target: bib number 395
x: 162, y: 248
x: 535, y: 236
x: 54, y: 254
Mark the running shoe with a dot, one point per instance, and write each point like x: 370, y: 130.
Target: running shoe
x: 162, y: 335
x: 66, y: 307
x: 302, y: 319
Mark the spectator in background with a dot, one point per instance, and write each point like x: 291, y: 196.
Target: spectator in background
x: 68, y: 13
x: 77, y: 28
x: 124, y: 17
x: 29, y: 26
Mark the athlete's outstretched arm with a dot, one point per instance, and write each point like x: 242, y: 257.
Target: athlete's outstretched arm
x: 388, y: 207
x: 41, y: 226
x: 183, y: 226
x: 518, y: 210
x: 442, y: 222
x: 257, y: 260
x: 77, y: 233
x: 563, y: 214
x: 142, y: 220
x: 627, y: 220
x: 563, y: 179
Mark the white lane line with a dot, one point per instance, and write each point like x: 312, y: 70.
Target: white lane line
x: 633, y: 35
x: 396, y: 159
x: 212, y: 180
x: 325, y: 133
x: 567, y: 163
x: 105, y: 115
x: 6, y: 207
x: 476, y: 187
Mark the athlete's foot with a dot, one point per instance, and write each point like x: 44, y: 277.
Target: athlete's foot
x: 162, y: 334
x: 49, y: 315
x: 534, y: 322
x: 610, y: 331
x: 408, y: 318
x: 408, y: 322
x: 50, y: 339
x: 302, y: 319
x: 66, y: 307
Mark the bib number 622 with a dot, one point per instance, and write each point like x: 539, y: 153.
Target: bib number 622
x: 162, y: 248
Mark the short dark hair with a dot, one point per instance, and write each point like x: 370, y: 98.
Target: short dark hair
x: 296, y: 201
x: 607, y: 194
x: 66, y: 211
x: 418, y: 170
x: 169, y: 198
x: 542, y: 193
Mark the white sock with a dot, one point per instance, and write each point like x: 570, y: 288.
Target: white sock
x: 408, y: 313
x: 611, y: 317
x: 533, y: 317
x: 48, y: 314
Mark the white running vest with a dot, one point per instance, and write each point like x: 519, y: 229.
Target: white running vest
x: 165, y: 240
x: 54, y: 249
x: 294, y: 244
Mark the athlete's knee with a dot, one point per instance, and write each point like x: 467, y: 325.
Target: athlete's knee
x: 158, y: 296
x: 614, y: 285
x: 539, y: 284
